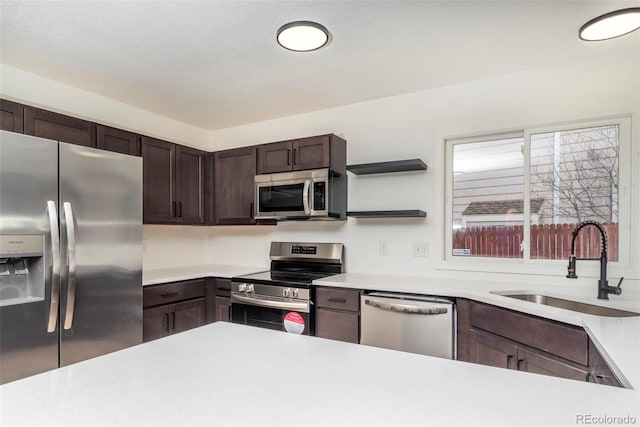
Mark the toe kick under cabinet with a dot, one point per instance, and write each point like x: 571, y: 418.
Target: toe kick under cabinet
x: 172, y: 307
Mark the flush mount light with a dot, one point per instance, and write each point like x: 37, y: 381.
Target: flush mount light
x: 302, y: 36
x: 611, y: 25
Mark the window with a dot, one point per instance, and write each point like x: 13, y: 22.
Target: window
x: 520, y: 195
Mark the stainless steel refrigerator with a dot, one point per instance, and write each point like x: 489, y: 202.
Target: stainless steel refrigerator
x: 70, y: 254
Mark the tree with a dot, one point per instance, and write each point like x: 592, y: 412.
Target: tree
x: 577, y: 172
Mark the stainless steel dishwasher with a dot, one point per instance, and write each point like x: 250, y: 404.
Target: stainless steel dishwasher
x: 407, y: 322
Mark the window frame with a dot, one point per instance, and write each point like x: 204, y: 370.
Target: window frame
x: 525, y: 264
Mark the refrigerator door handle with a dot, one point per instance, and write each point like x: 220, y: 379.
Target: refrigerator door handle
x: 71, y: 257
x: 52, y: 213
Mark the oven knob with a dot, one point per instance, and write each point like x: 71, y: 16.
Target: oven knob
x: 242, y: 287
x: 250, y: 288
x: 286, y: 292
x: 295, y: 293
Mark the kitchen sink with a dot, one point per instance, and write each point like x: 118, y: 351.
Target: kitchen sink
x: 581, y: 307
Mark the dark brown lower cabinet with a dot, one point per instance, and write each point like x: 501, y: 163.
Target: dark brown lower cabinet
x: 170, y: 319
x: 172, y: 307
x: 337, y: 314
x: 494, y: 336
x: 218, y: 300
x: 223, y: 309
x: 493, y: 350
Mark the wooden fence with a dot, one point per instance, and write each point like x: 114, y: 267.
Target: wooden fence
x: 548, y: 241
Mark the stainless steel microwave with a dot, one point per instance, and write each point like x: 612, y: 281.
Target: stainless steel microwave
x: 317, y: 194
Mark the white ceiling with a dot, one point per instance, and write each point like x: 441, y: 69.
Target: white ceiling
x: 216, y: 64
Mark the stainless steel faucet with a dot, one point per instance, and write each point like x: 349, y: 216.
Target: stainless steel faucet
x: 603, y: 285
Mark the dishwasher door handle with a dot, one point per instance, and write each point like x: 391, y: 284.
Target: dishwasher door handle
x: 407, y: 308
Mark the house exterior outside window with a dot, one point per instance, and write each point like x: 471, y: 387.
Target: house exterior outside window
x: 521, y: 194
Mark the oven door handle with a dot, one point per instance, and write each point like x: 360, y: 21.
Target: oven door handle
x: 283, y: 305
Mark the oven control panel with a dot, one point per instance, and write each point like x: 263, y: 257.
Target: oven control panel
x: 266, y: 291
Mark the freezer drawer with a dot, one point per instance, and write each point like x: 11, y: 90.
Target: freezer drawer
x: 411, y: 323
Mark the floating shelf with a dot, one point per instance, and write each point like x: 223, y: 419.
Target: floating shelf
x: 386, y: 167
x: 416, y: 213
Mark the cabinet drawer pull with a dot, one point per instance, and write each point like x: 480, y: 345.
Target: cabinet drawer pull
x: 596, y: 378
x: 169, y: 294
x: 334, y: 299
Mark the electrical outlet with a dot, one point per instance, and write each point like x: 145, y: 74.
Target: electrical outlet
x: 420, y: 249
x: 384, y: 247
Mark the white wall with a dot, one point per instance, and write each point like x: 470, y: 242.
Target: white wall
x: 31, y: 89
x: 415, y: 125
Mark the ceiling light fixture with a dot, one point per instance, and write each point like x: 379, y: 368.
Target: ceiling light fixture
x: 302, y: 36
x: 611, y: 25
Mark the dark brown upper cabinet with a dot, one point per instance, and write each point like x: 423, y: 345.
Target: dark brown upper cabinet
x: 234, y: 172
x: 173, y: 181
x: 316, y: 152
x: 11, y: 116
x: 47, y: 124
x: 190, y: 195
x: 158, y: 171
x: 120, y: 141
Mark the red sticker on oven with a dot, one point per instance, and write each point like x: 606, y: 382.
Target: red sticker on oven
x: 293, y: 323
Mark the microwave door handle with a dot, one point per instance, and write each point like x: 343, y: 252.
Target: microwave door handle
x: 305, y: 197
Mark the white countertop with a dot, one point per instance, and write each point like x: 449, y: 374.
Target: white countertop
x: 227, y: 374
x: 174, y: 274
x: 618, y: 338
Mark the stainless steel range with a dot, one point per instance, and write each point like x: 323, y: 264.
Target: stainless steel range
x: 282, y: 298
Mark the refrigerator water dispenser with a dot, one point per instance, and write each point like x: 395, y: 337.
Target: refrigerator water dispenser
x: 21, y: 268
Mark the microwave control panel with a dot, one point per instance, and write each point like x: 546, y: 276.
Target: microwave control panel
x: 319, y: 195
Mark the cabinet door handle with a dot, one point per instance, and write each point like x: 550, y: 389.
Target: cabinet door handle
x: 179, y: 209
x: 294, y: 156
x: 173, y: 320
x: 334, y: 299
x: 288, y: 157
x: 169, y: 294
x: 173, y: 209
x: 166, y: 324
x: 509, y: 361
x: 251, y: 210
x: 520, y: 363
x: 596, y: 378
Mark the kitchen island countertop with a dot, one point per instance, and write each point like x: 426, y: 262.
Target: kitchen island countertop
x: 227, y: 374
